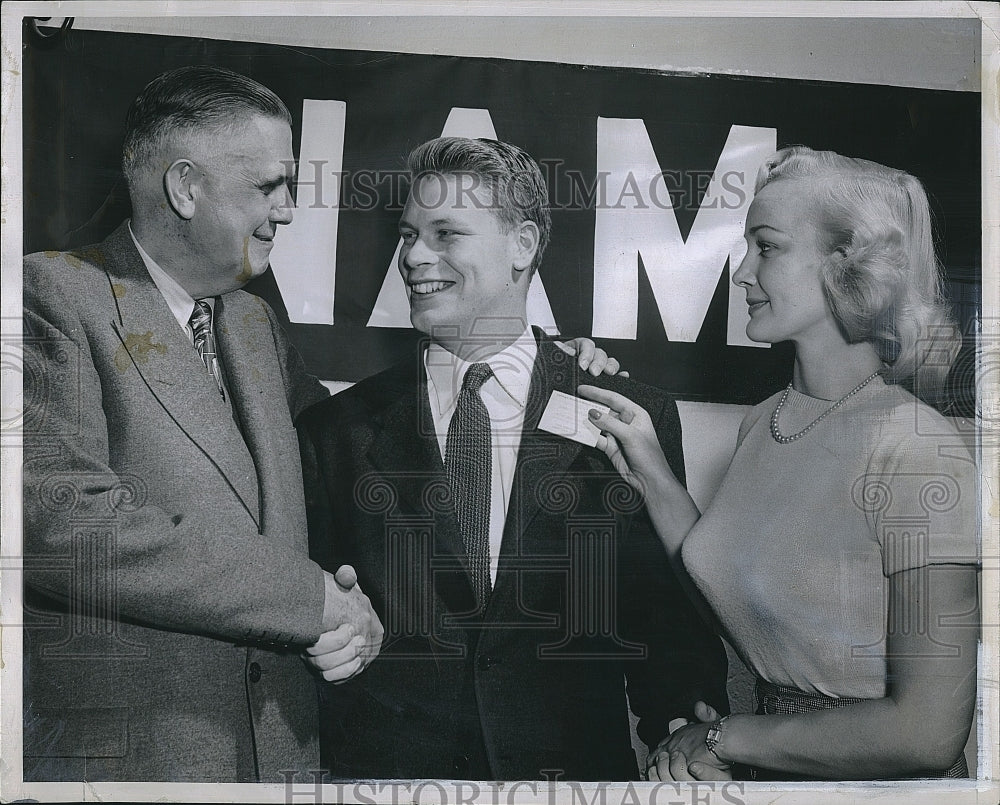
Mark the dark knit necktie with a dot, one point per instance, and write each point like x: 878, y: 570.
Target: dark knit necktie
x: 204, y: 341
x: 468, y: 462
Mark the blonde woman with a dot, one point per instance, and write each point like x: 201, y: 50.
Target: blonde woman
x: 839, y: 555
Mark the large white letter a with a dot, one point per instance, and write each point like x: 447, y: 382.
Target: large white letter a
x: 392, y: 308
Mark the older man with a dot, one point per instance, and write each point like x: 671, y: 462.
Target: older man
x: 521, y: 584
x: 169, y: 590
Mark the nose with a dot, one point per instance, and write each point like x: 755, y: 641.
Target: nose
x: 284, y: 208
x: 416, y: 254
x: 745, y: 274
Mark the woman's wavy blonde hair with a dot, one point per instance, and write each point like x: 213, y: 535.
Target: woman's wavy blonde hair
x: 883, y: 280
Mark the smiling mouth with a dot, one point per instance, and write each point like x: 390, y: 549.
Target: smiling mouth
x: 428, y: 288
x: 752, y: 306
x: 265, y: 239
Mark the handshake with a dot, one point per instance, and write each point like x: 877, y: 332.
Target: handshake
x: 354, y: 635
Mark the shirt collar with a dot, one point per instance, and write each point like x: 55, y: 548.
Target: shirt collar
x: 179, y: 301
x: 512, y: 368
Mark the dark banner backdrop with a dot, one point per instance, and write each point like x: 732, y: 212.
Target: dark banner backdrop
x: 76, y: 95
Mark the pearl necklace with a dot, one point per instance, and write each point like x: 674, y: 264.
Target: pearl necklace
x: 781, y: 439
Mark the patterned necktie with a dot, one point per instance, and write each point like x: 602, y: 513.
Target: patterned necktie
x: 468, y: 462
x: 204, y: 341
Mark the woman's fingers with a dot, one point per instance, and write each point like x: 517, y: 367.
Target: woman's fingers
x: 622, y: 408
x: 627, y: 437
x: 615, y: 401
x: 609, y: 424
x: 608, y: 445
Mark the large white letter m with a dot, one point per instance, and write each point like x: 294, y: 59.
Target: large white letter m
x: 636, y: 217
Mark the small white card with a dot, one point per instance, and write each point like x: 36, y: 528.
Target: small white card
x: 565, y: 415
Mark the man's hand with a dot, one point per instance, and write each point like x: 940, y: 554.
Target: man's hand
x: 355, y: 631
x: 591, y: 357
x: 346, y: 576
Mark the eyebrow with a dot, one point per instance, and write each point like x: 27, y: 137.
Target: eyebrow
x: 276, y: 179
x: 436, y: 222
x: 753, y: 230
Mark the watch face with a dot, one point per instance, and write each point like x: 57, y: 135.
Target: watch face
x: 714, y: 736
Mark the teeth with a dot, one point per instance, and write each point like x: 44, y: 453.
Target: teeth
x: 428, y: 287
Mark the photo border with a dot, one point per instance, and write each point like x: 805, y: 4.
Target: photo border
x: 984, y: 788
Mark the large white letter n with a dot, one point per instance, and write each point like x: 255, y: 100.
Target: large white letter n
x: 635, y: 217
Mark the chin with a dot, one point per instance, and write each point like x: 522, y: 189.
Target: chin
x: 427, y: 318
x: 760, y: 335
x: 246, y: 274
x: 421, y: 322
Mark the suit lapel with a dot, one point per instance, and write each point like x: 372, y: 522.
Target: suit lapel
x: 406, y: 453
x: 159, y: 350
x: 257, y: 392
x: 542, y: 457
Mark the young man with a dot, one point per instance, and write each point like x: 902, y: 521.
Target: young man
x: 521, y: 584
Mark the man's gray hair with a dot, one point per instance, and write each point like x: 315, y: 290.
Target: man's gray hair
x: 192, y: 97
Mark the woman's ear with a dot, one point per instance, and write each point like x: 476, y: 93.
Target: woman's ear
x: 180, y: 186
x: 526, y: 245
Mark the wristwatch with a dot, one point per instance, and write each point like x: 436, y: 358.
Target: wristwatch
x: 715, y: 736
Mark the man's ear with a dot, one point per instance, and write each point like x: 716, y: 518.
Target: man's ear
x: 179, y: 184
x: 526, y: 245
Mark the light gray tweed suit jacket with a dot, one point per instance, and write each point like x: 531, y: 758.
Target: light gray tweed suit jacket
x: 168, y: 588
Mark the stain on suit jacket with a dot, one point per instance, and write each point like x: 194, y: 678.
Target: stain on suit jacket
x: 167, y: 582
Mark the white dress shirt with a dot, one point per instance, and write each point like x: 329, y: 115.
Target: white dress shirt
x: 505, y: 396
x: 179, y: 301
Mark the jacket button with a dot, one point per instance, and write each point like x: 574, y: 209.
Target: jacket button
x: 254, y: 672
x: 460, y: 763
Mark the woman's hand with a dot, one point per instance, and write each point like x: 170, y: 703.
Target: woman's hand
x: 669, y: 762
x: 689, y: 754
x: 629, y: 440
x: 689, y: 757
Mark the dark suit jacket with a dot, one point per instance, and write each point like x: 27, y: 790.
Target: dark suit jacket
x: 584, y: 601
x: 167, y: 577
